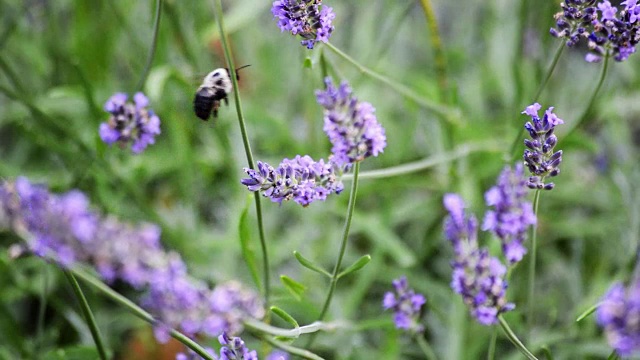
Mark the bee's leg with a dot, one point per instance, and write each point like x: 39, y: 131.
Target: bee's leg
x: 226, y: 101
x: 215, y: 112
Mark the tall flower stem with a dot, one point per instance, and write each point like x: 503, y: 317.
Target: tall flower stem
x: 343, y: 246
x: 152, y: 50
x: 518, y: 140
x: 436, y: 42
x: 247, y: 147
x: 88, y: 315
x: 514, y: 339
x: 532, y: 265
x: 425, y: 347
x: 139, y: 312
x: 491, y: 353
x: 449, y: 113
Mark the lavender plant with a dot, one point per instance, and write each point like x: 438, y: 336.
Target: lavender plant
x: 619, y: 315
x: 310, y: 19
x: 406, y: 304
x: 539, y: 157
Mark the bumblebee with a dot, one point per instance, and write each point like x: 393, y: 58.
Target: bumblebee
x: 215, y: 87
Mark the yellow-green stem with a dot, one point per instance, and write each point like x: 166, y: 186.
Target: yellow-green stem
x: 434, y: 33
x: 152, y: 50
x: 514, y: 339
x: 425, y: 347
x: 532, y: 266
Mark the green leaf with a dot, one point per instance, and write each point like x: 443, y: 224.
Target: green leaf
x: 284, y: 316
x: 310, y: 265
x: 588, y: 312
x: 295, y: 288
x: 359, y: 264
x: 244, y: 232
x: 72, y: 353
x: 546, y: 352
x: 307, y: 63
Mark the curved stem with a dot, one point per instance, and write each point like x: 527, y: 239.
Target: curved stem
x: 491, y: 353
x: 152, y: 50
x: 306, y: 354
x: 295, y: 332
x: 425, y: 347
x: 247, y: 147
x: 514, y: 339
x: 532, y: 264
x: 441, y: 62
x: 139, y: 312
x: 86, y: 312
x: 449, y: 113
x: 518, y: 140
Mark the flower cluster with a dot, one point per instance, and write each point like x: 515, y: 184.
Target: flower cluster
x: 351, y: 125
x: 63, y: 228
x: 619, y: 315
x: 307, y: 18
x: 130, y: 122
x: 301, y: 179
x: 234, y: 349
x: 539, y: 156
x: 607, y: 34
x: 406, y: 304
x: 477, y: 277
x: 512, y: 214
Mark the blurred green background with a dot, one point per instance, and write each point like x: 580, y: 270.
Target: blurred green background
x: 61, y: 60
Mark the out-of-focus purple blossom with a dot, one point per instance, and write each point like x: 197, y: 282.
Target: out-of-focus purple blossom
x: 64, y: 229
x: 130, y: 123
x: 539, y: 157
x: 512, y: 214
x: 301, y: 179
x: 477, y: 277
x: 351, y: 125
x: 307, y: 18
x: 619, y: 315
x: 233, y: 348
x: 277, y: 355
x: 406, y: 304
x: 609, y: 32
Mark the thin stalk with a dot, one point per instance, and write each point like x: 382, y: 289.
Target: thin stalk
x: 247, y: 147
x: 532, y: 264
x: 305, y: 354
x: 139, y: 312
x: 613, y: 356
x: 514, y: 339
x: 343, y: 246
x: 152, y: 50
x: 42, y: 306
x: 592, y: 99
x: 436, y: 42
x: 425, y: 347
x: 88, y: 315
x: 449, y: 113
x: 518, y: 140
x: 491, y: 353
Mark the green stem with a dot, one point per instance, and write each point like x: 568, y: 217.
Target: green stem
x: 613, y: 356
x: 425, y: 347
x: 306, y: 354
x: 514, y: 339
x: 449, y: 113
x: 518, y: 140
x: 438, y: 159
x: 247, y: 147
x: 343, y: 246
x: 86, y: 312
x: 43, y: 306
x: 582, y: 118
x: 139, y: 312
x: 491, y: 353
x: 436, y: 42
x: 532, y: 265
x: 152, y: 50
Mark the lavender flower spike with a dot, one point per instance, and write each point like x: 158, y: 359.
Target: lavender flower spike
x: 406, y: 304
x: 130, y: 123
x: 619, y: 315
x: 307, y: 18
x: 539, y: 156
x: 351, y: 125
x: 234, y: 349
x: 301, y: 179
x: 477, y: 277
x: 512, y: 215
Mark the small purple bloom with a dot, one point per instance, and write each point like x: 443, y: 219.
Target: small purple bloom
x: 539, y: 156
x: 233, y: 348
x: 307, y: 18
x: 277, y: 355
x: 130, y: 123
x: 608, y: 11
x: 619, y: 315
x: 406, y: 304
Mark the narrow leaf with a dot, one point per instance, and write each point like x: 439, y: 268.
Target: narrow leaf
x: 588, y: 312
x: 546, y: 352
x: 359, y: 264
x: 284, y: 316
x: 310, y: 265
x: 249, y: 256
x: 295, y: 288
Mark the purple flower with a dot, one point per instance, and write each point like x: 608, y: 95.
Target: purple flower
x: 301, y: 179
x: 130, y: 123
x: 512, y: 215
x: 477, y: 277
x: 305, y: 18
x: 406, y: 304
x: 539, y: 156
x: 277, y: 355
x: 619, y: 315
x: 351, y: 125
x: 234, y: 349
